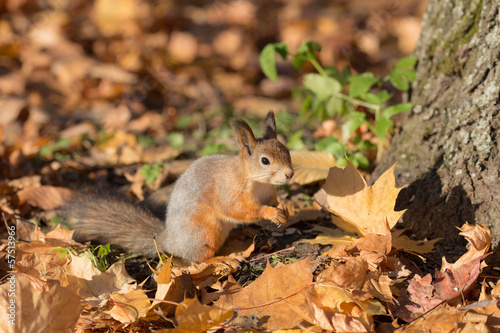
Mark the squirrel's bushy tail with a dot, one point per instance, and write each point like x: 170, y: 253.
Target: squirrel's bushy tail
x: 112, y: 219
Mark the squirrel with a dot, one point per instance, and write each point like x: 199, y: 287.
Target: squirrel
x: 209, y: 199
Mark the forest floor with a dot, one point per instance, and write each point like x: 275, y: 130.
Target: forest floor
x: 125, y: 98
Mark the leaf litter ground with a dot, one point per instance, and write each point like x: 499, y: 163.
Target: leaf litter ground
x: 307, y: 276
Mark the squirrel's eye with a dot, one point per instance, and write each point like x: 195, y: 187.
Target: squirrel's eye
x: 265, y: 161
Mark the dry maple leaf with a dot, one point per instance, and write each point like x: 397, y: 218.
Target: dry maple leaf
x: 129, y: 307
x: 95, y: 286
x: 357, y: 207
x: 333, y: 309
x: 269, y: 296
x: 453, y: 284
x: 192, y: 316
x: 479, y: 238
x: 46, y: 197
x: 401, y: 241
x: 54, y: 310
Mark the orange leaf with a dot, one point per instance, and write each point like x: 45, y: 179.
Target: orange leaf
x: 268, y: 296
x: 357, y: 207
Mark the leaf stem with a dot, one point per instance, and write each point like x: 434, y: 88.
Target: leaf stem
x: 356, y: 101
x: 318, y: 67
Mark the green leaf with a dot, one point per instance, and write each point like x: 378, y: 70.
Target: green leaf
x: 281, y: 49
x: 346, y: 73
x: 360, y: 84
x: 333, y: 72
x: 382, y: 126
x: 176, y: 140
x: 395, y: 109
x: 333, y: 106
x: 183, y: 122
x: 322, y: 87
x: 406, y: 63
x: 306, y: 105
x: 214, y: 148
x: 403, y: 73
x: 268, y: 63
x: 359, y: 160
x: 332, y: 146
x: 352, y: 122
x: 307, y: 51
x: 298, y: 61
x: 365, y: 145
x: 295, y: 142
x: 384, y: 96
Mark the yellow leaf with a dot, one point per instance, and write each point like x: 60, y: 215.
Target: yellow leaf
x: 332, y: 297
x: 357, y: 207
x: 329, y: 236
x: 311, y: 166
x: 192, y: 316
x: 400, y: 241
x: 130, y: 306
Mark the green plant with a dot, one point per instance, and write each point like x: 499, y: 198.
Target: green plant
x: 330, y: 92
x: 58, y: 150
x: 65, y: 251
x: 99, y: 260
x: 151, y: 172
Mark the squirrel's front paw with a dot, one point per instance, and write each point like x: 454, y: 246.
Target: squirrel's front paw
x: 277, y: 215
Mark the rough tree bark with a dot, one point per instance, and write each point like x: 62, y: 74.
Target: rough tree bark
x: 448, y: 146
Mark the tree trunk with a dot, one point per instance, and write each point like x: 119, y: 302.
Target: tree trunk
x: 448, y: 146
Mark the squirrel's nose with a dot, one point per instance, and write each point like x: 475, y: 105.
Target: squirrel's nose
x: 289, y: 174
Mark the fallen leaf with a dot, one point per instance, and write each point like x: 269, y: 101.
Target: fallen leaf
x: 192, y: 316
x: 441, y: 319
x: 357, y: 207
x: 479, y: 238
x: 329, y: 236
x: 268, y: 296
x: 401, y: 241
x: 94, y: 285
x: 453, y: 284
x: 54, y: 310
x: 46, y: 197
x: 129, y: 307
x: 311, y: 166
x: 332, y: 297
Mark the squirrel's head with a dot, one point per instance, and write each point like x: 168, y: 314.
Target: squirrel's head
x: 266, y: 159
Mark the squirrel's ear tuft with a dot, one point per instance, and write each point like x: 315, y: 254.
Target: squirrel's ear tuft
x: 270, y: 126
x: 245, y: 136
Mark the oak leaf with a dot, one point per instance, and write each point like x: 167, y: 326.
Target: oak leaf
x: 357, y: 207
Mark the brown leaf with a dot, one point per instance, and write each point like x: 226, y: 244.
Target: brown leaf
x: 95, y: 286
x: 46, y: 197
x: 268, y: 296
x: 54, y: 310
x: 358, y: 208
x: 441, y: 319
x: 479, y: 237
x: 453, y: 284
